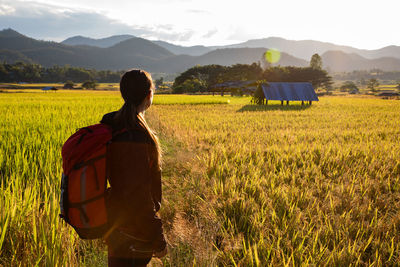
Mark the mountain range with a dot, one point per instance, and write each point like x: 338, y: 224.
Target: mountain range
x: 126, y: 51
x: 103, y: 42
x: 306, y: 48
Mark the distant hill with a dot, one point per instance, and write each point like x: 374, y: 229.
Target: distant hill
x: 134, y: 52
x: 12, y: 40
x: 113, y: 40
x: 141, y: 53
x: 306, y: 48
x: 103, y: 42
x: 197, y: 50
x: 139, y: 47
x: 303, y: 49
x: 17, y: 47
x: 338, y: 61
x: 10, y: 33
x: 13, y: 56
x: 388, y: 51
x: 226, y: 57
x: 230, y: 56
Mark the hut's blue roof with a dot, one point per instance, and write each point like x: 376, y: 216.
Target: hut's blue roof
x: 289, y: 91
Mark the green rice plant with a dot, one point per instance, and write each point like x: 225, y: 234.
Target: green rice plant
x: 190, y: 99
x: 33, y: 128
x: 242, y: 186
x: 301, y: 186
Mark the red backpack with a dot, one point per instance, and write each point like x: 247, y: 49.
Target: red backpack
x: 84, y: 181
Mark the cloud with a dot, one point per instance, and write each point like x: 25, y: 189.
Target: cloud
x: 166, y: 33
x: 57, y: 23
x: 210, y: 33
x: 169, y: 32
x: 6, y: 9
x: 197, y: 11
x: 238, y: 33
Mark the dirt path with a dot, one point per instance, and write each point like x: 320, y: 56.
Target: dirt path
x: 184, y: 211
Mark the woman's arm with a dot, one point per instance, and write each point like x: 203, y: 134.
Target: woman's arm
x: 132, y: 190
x: 156, y: 190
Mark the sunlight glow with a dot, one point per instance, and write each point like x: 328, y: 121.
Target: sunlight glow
x: 272, y: 56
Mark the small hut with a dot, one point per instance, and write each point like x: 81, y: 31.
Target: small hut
x: 245, y: 87
x: 388, y: 93
x: 354, y: 91
x: 68, y: 86
x: 287, y: 91
x: 49, y: 88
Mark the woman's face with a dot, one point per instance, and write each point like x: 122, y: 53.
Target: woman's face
x: 151, y: 98
x: 146, y: 102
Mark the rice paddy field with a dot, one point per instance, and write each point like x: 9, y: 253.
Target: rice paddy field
x: 243, y: 185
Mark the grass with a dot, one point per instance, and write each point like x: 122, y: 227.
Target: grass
x: 33, y: 128
x: 243, y: 185
x: 33, y: 86
x: 287, y: 185
x: 190, y: 99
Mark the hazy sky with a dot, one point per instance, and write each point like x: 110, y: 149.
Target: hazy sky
x: 363, y: 24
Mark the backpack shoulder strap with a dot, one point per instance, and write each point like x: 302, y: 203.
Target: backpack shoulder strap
x: 115, y: 133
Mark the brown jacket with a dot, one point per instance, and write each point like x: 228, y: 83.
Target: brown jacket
x: 135, y: 180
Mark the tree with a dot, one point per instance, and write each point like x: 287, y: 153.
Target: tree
x: 372, y: 84
x: 316, y: 62
x: 242, y: 72
x: 29, y: 72
x: 79, y: 74
x: 348, y: 86
x: 210, y: 75
x: 191, y: 86
x: 159, y: 82
x: 89, y: 85
x: 32, y: 72
x: 69, y: 85
x: 264, y: 63
x: 318, y: 77
x: 398, y: 87
x: 259, y: 96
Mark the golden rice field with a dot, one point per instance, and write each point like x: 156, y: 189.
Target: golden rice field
x: 243, y: 185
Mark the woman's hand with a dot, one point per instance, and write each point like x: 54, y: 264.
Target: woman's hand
x: 162, y: 253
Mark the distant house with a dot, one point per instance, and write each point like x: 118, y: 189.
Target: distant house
x: 354, y: 91
x: 246, y: 87
x: 68, y: 86
x: 49, y: 88
x: 286, y: 91
x: 388, y: 93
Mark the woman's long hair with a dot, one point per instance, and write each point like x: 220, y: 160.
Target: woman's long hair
x: 135, y: 86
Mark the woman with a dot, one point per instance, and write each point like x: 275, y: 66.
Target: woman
x: 133, y: 165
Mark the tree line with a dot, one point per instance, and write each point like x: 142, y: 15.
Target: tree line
x: 35, y: 73
x: 204, y: 78
x: 362, y: 76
